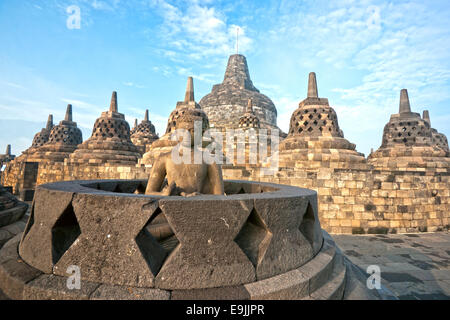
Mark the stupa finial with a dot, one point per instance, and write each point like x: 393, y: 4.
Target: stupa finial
x: 49, y: 125
x: 146, y: 115
x: 114, y: 107
x: 426, y: 116
x: 68, y: 113
x: 8, y: 150
x: 189, y: 90
x: 312, y: 86
x: 404, y: 102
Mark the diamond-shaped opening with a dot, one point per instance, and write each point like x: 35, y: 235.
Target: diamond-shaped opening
x: 30, y: 222
x: 310, y: 129
x: 307, y: 225
x: 156, y: 241
x: 254, y: 238
x: 64, y: 233
x: 310, y: 116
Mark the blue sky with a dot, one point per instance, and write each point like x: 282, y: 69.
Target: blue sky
x: 363, y: 53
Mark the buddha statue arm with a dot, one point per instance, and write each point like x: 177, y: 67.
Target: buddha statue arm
x: 157, y: 176
x: 216, y: 179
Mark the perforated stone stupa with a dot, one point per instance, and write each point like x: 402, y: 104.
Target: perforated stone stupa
x: 62, y: 141
x: 42, y: 137
x: 249, y: 119
x: 144, y: 134
x: 408, y: 142
x: 228, y: 101
x: 315, y: 137
x: 438, y: 139
x: 185, y: 110
x: 110, y: 141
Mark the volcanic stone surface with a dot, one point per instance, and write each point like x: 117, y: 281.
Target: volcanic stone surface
x: 110, y: 141
x: 227, y: 101
x: 144, y: 134
x: 256, y: 232
x: 11, y: 209
x: 410, y: 142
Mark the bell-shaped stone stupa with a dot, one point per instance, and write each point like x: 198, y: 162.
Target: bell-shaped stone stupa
x: 110, y: 141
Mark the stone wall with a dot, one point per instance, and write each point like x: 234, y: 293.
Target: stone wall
x: 368, y: 201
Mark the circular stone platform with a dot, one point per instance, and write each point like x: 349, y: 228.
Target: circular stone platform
x: 260, y: 241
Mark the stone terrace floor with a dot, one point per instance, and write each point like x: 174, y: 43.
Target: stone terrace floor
x: 413, y: 266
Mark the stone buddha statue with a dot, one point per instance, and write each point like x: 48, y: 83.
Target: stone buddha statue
x: 172, y: 177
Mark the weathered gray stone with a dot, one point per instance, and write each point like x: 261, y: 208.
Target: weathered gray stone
x: 319, y: 269
x: 286, y: 248
x: 207, y: 255
x: 51, y: 287
x: 110, y: 249
x: 110, y: 292
x: 223, y: 293
x: 11, y: 209
x: 110, y: 141
x: 291, y: 285
x: 36, y: 245
x: 14, y: 274
x: 227, y: 101
x: 10, y: 250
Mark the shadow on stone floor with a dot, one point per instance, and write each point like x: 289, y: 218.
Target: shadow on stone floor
x: 413, y: 266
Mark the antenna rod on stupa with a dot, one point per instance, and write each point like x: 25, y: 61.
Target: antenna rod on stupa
x: 8, y: 150
x: 68, y: 113
x: 189, y: 90
x: 49, y: 122
x: 312, y: 86
x: 237, y: 40
x: 404, y: 102
x: 113, y: 107
x: 146, y: 115
x: 426, y: 116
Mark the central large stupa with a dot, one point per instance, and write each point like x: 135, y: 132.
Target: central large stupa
x: 228, y: 101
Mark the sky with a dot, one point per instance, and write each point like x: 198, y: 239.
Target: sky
x: 363, y: 52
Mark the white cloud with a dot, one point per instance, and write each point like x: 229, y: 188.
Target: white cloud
x: 199, y: 31
x: 132, y: 84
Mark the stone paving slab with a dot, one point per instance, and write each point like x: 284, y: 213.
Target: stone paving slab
x: 413, y: 266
